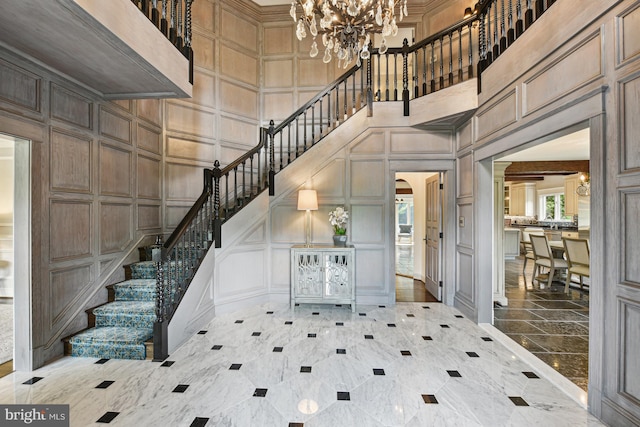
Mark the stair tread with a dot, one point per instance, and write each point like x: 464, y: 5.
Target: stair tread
x: 135, y: 290
x: 126, y: 307
x: 112, y: 334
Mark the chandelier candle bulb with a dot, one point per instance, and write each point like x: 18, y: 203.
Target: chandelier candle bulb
x: 346, y: 25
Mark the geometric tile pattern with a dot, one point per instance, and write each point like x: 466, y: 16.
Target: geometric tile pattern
x: 488, y: 392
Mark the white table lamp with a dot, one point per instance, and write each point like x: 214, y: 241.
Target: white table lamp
x: 307, y: 201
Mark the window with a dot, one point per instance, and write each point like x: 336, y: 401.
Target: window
x: 404, y: 210
x: 552, y: 207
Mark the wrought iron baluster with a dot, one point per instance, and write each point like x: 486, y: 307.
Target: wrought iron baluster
x: 470, y: 70
x: 346, y: 109
x: 460, y: 76
x: 386, y: 56
x: 451, y: 59
x: 305, y: 132
x: 489, y: 49
x: 353, y: 94
x: 441, y: 64
x: 378, y: 93
x: 313, y: 124
x: 289, y: 143
x: 414, y: 70
x: 433, y: 67
x: 321, y: 124
x: 424, y: 70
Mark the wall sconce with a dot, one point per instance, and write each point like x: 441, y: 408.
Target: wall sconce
x: 307, y: 201
x: 584, y: 189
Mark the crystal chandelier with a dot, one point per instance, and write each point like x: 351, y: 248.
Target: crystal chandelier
x: 346, y: 25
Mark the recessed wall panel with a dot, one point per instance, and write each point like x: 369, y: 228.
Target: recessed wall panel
x: 115, y: 171
x: 115, y: 126
x: 238, y: 65
x: 203, y: 89
x: 281, y: 276
x: 465, y: 175
x: 239, y: 280
x: 149, y: 216
x: 497, y: 116
x: 631, y: 250
x: 64, y: 286
x: 115, y: 227
x: 191, y: 120
x: 313, y: 72
x: 465, y: 232
x: 70, y: 162
x: 278, y: 40
x: 183, y: 182
x: 70, y: 230
x: 367, y: 178
x: 174, y: 215
x: 370, y: 144
x: 203, y: 51
x: 581, y: 65
x: 330, y: 182
x: 239, y: 30
x: 239, y: 100
x: 148, y: 177
x: 464, y: 283
x: 629, y: 368
x: 149, y: 139
x: 234, y: 130
x: 278, y: 106
x: 203, y: 14
x: 71, y: 107
x: 629, y: 35
x: 464, y: 136
x: 368, y: 224
x: 630, y: 125
x: 278, y: 73
x: 19, y: 87
x: 287, y: 224
x: 190, y: 149
x: 149, y: 109
x: 421, y: 142
x: 370, y: 272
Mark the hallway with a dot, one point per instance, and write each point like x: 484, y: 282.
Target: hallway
x: 409, y: 289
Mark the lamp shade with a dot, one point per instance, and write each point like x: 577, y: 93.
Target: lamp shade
x: 307, y: 200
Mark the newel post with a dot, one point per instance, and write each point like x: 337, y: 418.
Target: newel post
x: 405, y: 77
x: 272, y: 172
x: 217, y: 222
x: 160, y: 326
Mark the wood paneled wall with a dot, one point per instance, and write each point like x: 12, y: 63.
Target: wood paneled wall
x: 586, y: 75
x: 109, y: 176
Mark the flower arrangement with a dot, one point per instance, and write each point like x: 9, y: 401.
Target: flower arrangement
x: 338, y: 219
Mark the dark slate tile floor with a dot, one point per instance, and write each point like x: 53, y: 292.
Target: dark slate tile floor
x: 552, y: 325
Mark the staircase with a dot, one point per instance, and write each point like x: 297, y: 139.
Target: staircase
x: 134, y: 323
x: 123, y: 327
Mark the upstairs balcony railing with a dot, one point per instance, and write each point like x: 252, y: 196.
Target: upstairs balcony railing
x: 437, y: 62
x: 173, y: 19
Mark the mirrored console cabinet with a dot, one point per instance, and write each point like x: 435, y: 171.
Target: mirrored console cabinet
x: 323, y: 275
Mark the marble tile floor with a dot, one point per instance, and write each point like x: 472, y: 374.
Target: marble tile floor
x: 552, y: 325
x: 412, y: 364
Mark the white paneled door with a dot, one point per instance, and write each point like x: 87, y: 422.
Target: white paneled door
x: 433, y: 238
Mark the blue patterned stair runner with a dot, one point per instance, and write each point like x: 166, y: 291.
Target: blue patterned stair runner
x: 122, y: 326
